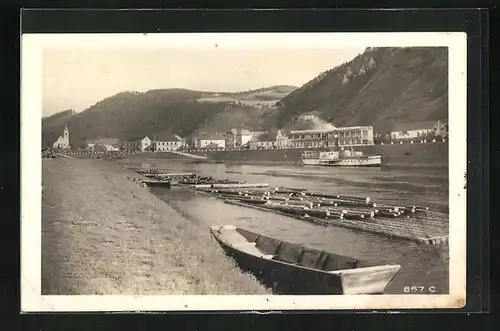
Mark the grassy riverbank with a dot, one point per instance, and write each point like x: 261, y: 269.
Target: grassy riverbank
x: 103, y: 234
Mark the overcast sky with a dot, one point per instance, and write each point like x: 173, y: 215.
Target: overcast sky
x: 77, y: 79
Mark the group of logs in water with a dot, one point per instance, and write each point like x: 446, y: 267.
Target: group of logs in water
x: 185, y: 178
x: 411, y: 222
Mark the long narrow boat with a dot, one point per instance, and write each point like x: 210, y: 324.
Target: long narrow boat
x: 157, y: 183
x: 289, y: 268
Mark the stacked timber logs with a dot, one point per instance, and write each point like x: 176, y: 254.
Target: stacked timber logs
x: 410, y: 222
x: 152, y: 171
x: 160, y: 176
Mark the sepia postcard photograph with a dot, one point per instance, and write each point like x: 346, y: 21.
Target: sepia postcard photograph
x: 243, y: 171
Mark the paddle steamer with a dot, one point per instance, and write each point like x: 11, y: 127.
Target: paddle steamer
x: 342, y: 158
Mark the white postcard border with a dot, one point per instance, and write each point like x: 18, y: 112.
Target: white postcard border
x: 31, y: 114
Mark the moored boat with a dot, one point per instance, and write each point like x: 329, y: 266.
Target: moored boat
x: 157, y: 183
x: 290, y: 268
x: 345, y: 158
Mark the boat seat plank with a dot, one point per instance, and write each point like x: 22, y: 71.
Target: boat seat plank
x: 289, y: 253
x: 250, y: 236
x: 339, y: 262
x: 310, y: 258
x: 241, y: 245
x: 267, y: 245
x: 233, y: 238
x: 250, y: 249
x: 321, y: 263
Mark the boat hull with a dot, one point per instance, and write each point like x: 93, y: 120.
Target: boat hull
x: 372, y: 161
x: 157, y: 183
x: 282, y: 278
x: 290, y: 279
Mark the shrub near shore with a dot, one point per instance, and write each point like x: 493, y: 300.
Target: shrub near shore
x: 103, y: 234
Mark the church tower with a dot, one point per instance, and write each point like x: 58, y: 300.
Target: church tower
x: 66, y: 137
x: 63, y: 140
x: 66, y: 134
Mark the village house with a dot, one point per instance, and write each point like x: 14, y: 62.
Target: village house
x: 62, y: 141
x: 136, y: 143
x: 130, y: 144
x: 265, y: 140
x: 230, y: 138
x: 106, y: 144
x: 308, y: 117
x: 418, y: 130
x: 243, y: 136
x: 213, y: 145
x: 214, y: 140
x: 167, y: 142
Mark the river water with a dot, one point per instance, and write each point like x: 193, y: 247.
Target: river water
x: 421, y: 265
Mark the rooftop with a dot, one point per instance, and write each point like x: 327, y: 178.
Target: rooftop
x: 212, y: 146
x: 268, y: 136
x: 134, y: 138
x: 166, y: 136
x: 210, y: 136
x: 104, y: 141
x: 345, y: 128
x: 414, y: 126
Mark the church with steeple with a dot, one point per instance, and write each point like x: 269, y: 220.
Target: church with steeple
x: 63, y: 141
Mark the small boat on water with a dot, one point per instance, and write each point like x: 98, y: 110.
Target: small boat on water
x: 289, y: 268
x: 157, y: 183
x: 342, y: 158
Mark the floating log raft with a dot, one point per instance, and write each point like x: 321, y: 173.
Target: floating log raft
x: 232, y: 185
x: 180, y: 174
x: 154, y: 171
x: 411, y: 222
x: 416, y: 223
x: 372, y: 225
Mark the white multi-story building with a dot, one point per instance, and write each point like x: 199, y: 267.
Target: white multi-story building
x: 347, y: 136
x: 167, y: 142
x: 243, y: 137
x: 137, y: 143
x: 212, y: 140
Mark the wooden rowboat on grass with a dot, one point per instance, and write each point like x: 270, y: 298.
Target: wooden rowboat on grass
x: 289, y: 268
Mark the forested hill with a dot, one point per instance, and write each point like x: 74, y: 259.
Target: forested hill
x: 380, y: 87
x: 132, y: 114
x: 178, y: 111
